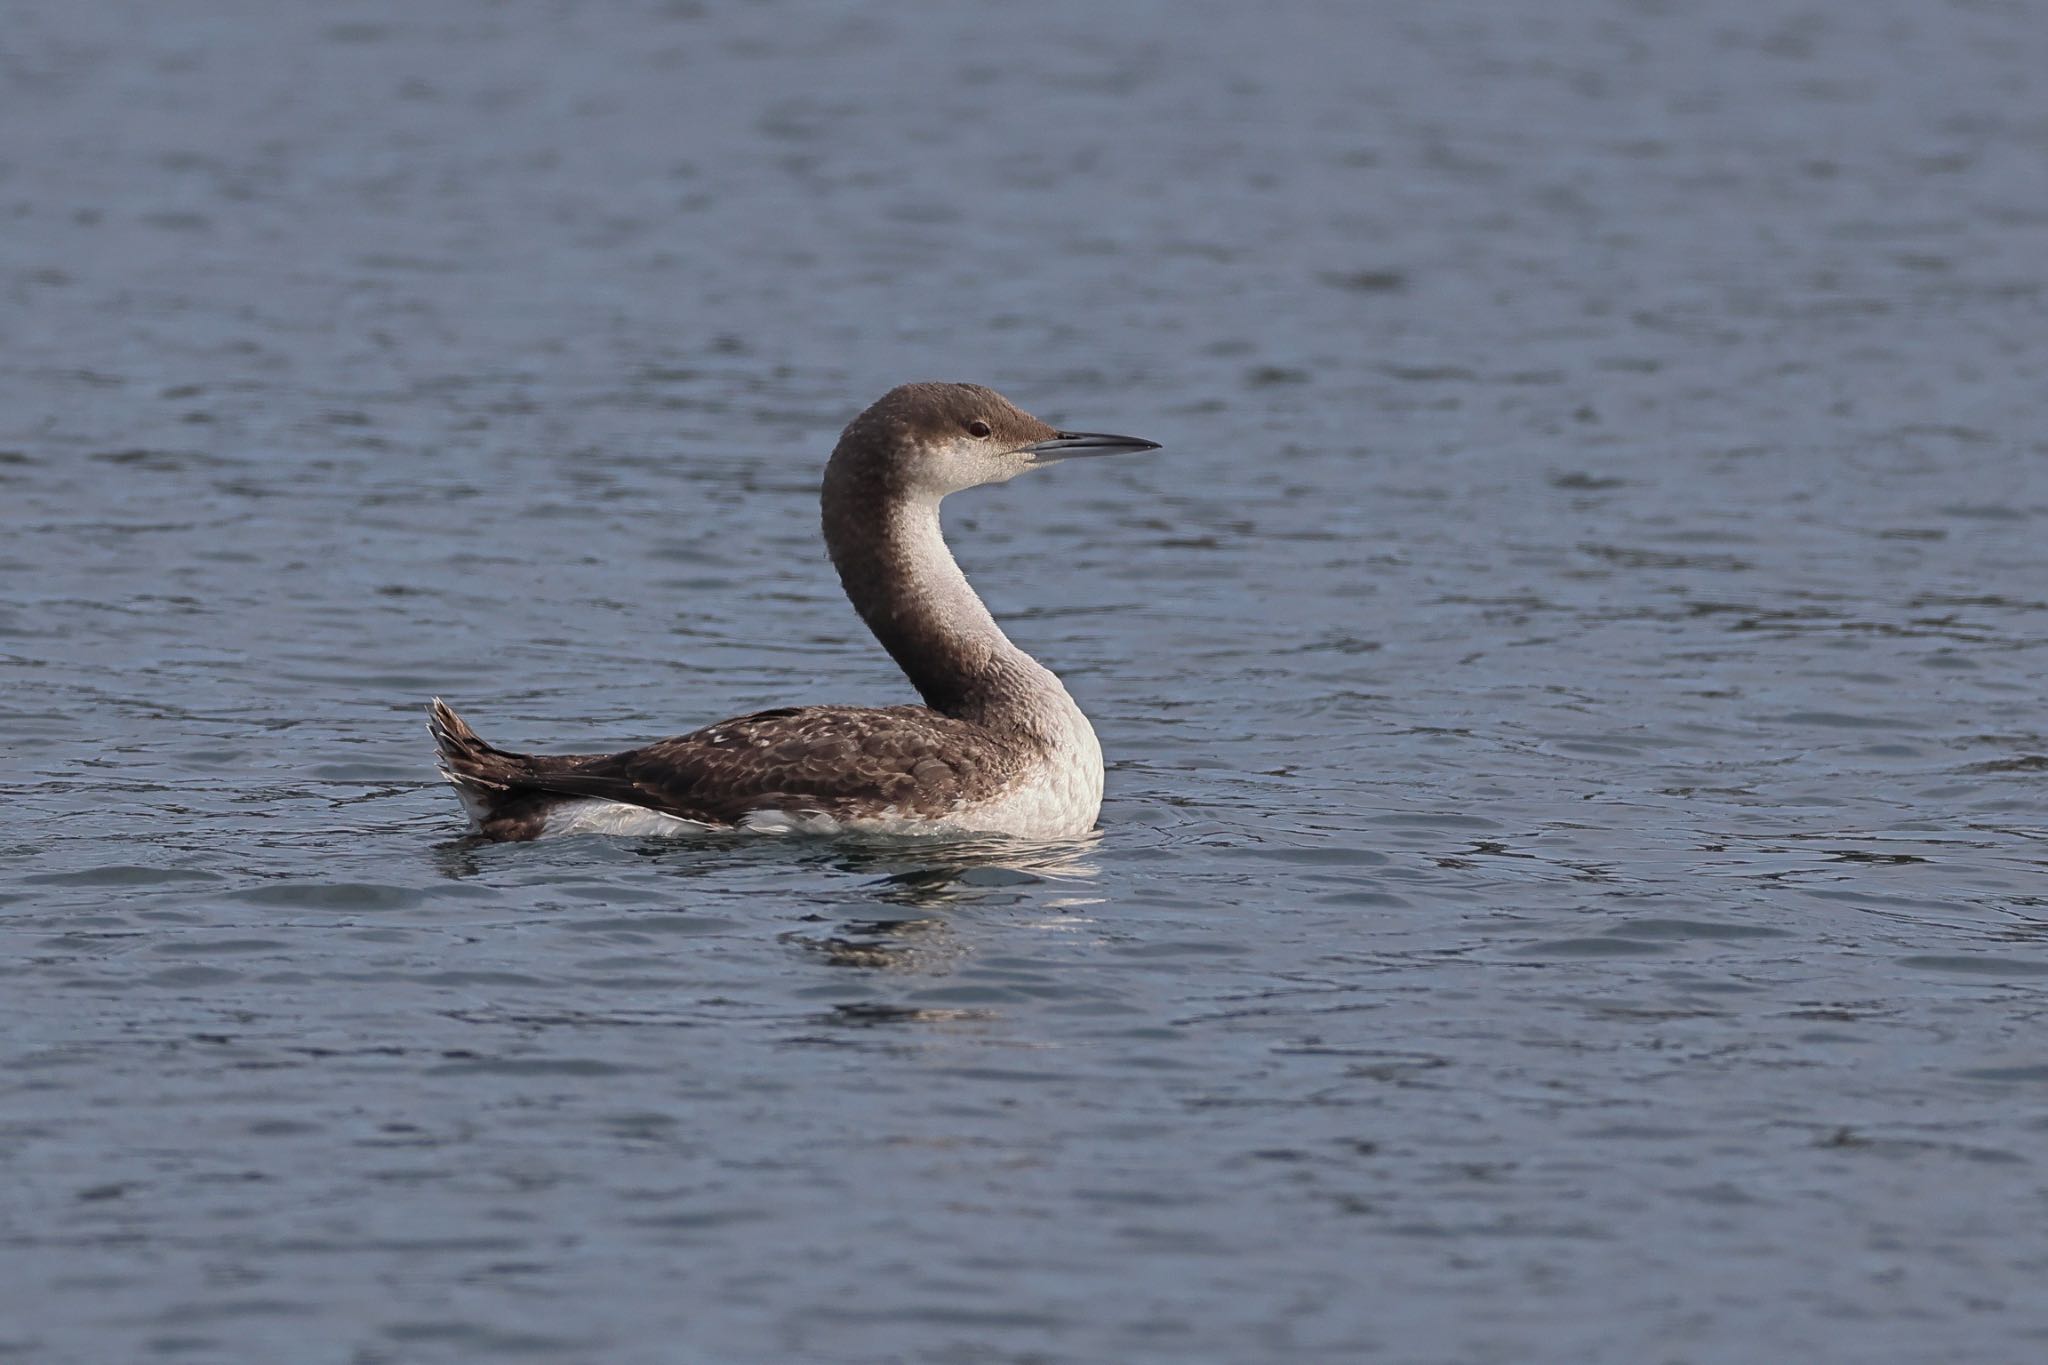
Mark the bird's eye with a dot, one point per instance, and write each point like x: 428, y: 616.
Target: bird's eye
x: 977, y: 428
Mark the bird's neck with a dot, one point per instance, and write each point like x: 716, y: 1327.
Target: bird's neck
x: 894, y: 564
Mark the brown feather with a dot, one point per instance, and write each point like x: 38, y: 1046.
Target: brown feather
x: 846, y: 762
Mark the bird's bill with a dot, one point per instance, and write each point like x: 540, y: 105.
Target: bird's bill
x: 1075, y: 445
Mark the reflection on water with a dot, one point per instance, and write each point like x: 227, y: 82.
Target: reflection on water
x: 987, y: 874
x: 936, y: 872
x: 921, y: 944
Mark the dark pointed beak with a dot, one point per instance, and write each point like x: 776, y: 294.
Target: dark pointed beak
x: 1074, y: 445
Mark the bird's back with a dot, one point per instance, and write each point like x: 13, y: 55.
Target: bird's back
x: 807, y: 768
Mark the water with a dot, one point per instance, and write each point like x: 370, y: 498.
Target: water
x: 1572, y: 882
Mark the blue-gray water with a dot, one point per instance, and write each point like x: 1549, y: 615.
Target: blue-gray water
x: 1575, y: 870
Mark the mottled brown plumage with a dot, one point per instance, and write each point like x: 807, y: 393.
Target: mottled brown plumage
x: 847, y: 763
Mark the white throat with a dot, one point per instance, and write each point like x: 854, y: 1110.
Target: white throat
x: 940, y: 588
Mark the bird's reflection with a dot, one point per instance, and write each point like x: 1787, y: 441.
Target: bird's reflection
x: 933, y: 873
x: 456, y: 859
x: 901, y: 917
x: 920, y: 881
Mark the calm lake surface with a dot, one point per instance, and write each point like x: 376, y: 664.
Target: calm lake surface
x: 1574, y: 880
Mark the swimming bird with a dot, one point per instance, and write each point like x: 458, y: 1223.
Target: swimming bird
x: 998, y: 747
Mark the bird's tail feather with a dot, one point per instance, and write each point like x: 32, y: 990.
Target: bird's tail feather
x: 508, y: 795
x: 465, y: 758
x: 499, y: 790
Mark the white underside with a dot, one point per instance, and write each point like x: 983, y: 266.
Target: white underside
x: 616, y: 817
x: 1061, y: 797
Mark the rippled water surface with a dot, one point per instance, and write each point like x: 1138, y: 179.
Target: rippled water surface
x: 1575, y: 870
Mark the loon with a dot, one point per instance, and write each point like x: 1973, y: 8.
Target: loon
x: 998, y: 747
